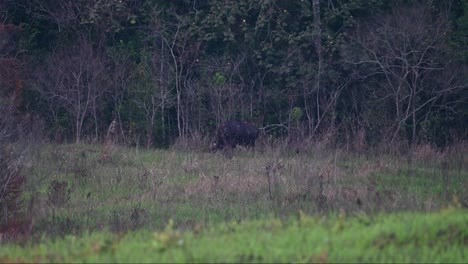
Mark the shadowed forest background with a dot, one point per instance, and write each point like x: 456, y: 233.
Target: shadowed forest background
x: 355, y: 72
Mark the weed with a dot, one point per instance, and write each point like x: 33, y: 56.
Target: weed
x: 58, y: 193
x: 138, y: 217
x: 11, y: 184
x: 117, y: 221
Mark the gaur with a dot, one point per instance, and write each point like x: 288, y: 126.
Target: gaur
x: 233, y: 133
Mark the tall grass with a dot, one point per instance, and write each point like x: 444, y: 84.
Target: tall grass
x: 90, y: 187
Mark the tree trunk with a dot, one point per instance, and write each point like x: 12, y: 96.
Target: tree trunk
x: 318, y: 50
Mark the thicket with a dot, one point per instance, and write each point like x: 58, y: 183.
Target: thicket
x: 361, y: 72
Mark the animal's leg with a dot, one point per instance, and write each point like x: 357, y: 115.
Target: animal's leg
x: 227, y: 145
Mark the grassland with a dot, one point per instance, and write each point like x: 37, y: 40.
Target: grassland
x: 403, y: 237
x: 110, y: 203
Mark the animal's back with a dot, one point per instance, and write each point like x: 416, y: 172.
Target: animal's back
x: 232, y: 133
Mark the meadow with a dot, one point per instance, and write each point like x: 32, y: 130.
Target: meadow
x: 276, y: 203
x: 401, y: 237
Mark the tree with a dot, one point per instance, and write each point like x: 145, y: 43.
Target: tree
x: 405, y: 51
x: 11, y: 83
x: 318, y: 51
x: 173, y: 69
x: 75, y: 79
x: 151, y: 91
x: 225, y: 91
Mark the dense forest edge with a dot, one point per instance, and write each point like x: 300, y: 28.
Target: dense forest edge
x: 357, y: 72
x: 356, y: 101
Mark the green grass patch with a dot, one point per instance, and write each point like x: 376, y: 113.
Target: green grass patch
x: 440, y: 237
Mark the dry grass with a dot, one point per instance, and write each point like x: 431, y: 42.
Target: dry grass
x: 134, y: 188
x: 426, y: 152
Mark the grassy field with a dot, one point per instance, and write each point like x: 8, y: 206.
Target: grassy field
x: 402, y: 237
x: 90, y: 195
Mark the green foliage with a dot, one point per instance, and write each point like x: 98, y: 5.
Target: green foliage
x: 219, y: 79
x: 296, y: 114
x: 404, y: 237
x: 168, y: 238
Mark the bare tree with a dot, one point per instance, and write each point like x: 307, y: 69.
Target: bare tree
x: 11, y: 181
x: 183, y: 52
x: 122, y: 74
x: 11, y: 85
x: 406, y: 48
x: 152, y: 92
x: 318, y: 51
x: 62, y: 13
x: 225, y: 88
x: 75, y: 79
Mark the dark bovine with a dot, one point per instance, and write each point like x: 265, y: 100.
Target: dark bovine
x: 233, y: 133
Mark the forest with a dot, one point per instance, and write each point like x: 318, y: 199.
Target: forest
x: 358, y: 73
